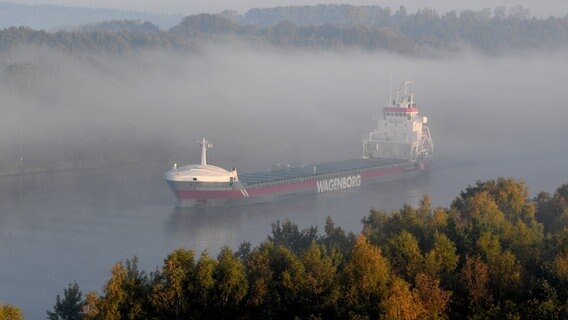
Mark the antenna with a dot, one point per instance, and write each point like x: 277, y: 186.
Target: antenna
x: 390, y: 88
x: 204, y: 146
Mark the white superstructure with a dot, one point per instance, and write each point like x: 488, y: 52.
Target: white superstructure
x: 202, y: 172
x: 402, y: 133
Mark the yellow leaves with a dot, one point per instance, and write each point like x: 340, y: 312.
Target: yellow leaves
x: 475, y: 280
x: 402, y: 302
x: 426, y: 301
x: 114, y: 293
x: 439, y: 218
x: 367, y: 271
x: 10, y: 312
x: 434, y: 299
x: 560, y: 267
x: 482, y: 206
x: 230, y: 278
x: 91, y: 308
x: 511, y: 196
x: 504, y: 267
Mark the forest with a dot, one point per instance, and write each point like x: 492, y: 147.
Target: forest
x: 494, y: 253
x: 422, y: 33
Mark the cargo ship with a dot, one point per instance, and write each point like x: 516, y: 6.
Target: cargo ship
x: 399, y: 147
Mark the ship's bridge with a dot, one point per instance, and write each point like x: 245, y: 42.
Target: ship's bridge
x: 402, y: 133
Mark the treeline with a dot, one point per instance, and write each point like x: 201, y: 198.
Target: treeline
x: 492, y: 31
x: 49, y: 17
x: 493, y: 254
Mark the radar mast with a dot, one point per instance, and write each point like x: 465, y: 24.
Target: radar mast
x: 205, y: 145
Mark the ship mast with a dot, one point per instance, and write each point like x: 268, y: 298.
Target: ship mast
x: 204, y: 146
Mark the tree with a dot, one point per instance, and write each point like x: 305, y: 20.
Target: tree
x: 504, y: 267
x: 402, y: 302
x: 91, y: 307
x: 10, y: 312
x: 259, y: 274
x: 335, y: 237
x: 442, y: 260
x: 114, y: 294
x: 552, y: 211
x: 474, y: 279
x: 560, y: 267
x: 367, y: 276
x: 170, y: 289
x: 404, y: 254
x: 230, y: 283
x: 126, y: 293
x: 70, y: 307
x: 201, y: 286
x: 313, y: 283
x: 519, y: 12
x: 287, y: 234
x: 434, y: 299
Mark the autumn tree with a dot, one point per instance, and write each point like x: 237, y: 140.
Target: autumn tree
x: 10, y: 312
x: 230, y: 286
x: 402, y: 303
x: 202, y: 287
x: 434, y: 299
x: 405, y: 256
x: 366, y: 279
x: 126, y: 293
x: 170, y: 288
x: 442, y: 260
x: 259, y: 275
x: 474, y: 280
x: 314, y: 283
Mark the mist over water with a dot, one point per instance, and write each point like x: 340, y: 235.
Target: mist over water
x: 260, y: 106
x: 489, y: 117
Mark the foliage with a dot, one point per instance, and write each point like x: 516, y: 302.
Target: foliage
x: 484, y: 257
x: 10, y: 312
x: 70, y: 307
x: 333, y: 26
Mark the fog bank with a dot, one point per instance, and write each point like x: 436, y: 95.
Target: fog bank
x: 263, y: 106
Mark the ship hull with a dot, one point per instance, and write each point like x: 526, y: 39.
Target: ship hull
x: 191, y: 194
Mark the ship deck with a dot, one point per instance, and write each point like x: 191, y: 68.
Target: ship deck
x: 314, y: 170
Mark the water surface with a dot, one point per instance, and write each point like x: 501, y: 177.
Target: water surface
x: 60, y: 227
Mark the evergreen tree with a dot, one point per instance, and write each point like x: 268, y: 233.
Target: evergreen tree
x: 70, y: 307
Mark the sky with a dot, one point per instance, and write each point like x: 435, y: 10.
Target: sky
x: 540, y: 8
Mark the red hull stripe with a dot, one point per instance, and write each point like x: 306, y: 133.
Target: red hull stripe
x: 381, y: 172
x: 408, y: 110
x: 282, y: 188
x: 212, y: 194
x: 232, y: 194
